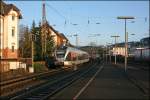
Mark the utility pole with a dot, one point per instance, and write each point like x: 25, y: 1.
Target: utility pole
x: 126, y: 38
x: 115, y: 36
x: 43, y: 13
x: 32, y: 46
x: 76, y: 35
x: 43, y: 35
x: 106, y: 53
x: 109, y: 51
x: 109, y: 55
x: 77, y: 39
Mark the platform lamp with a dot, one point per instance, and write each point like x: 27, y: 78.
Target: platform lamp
x: 126, y: 38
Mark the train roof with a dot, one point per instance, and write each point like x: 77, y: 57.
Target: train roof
x: 72, y: 49
x: 76, y: 49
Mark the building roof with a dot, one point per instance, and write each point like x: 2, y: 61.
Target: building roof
x: 5, y: 9
x: 63, y: 36
x: 55, y: 31
x: 145, y: 41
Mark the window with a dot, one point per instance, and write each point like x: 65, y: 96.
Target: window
x: 12, y: 49
x: 13, y: 17
x: 13, y: 31
x: 60, y: 53
x: 68, y: 58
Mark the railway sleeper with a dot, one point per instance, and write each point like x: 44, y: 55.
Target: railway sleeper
x: 11, y: 89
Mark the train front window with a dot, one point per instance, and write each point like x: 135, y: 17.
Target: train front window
x: 60, y: 54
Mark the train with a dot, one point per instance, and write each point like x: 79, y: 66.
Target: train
x: 67, y: 56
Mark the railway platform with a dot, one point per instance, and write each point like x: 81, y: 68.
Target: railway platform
x: 111, y: 82
x: 138, y: 73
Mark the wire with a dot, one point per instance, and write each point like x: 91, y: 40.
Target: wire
x: 55, y: 10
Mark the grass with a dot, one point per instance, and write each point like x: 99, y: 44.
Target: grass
x: 39, y: 67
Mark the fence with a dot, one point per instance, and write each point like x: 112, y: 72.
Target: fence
x: 14, y: 64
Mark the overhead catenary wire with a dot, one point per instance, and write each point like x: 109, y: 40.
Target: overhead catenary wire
x: 56, y: 11
x: 90, y: 18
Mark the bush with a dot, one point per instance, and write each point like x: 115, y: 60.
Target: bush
x: 39, y: 67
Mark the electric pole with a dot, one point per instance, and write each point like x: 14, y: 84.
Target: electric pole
x: 126, y: 37
x: 32, y: 46
x: 76, y: 35
x: 115, y: 36
x: 43, y: 35
x: 109, y: 44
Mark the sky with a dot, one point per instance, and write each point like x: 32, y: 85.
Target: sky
x: 63, y: 14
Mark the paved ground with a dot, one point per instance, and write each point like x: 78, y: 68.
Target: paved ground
x: 139, y: 73
x: 109, y: 83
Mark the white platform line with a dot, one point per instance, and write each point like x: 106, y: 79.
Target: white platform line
x: 92, y: 78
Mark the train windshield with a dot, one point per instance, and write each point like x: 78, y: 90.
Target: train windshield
x: 60, y: 53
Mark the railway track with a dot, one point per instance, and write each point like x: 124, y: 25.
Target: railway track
x: 50, y: 88
x: 13, y: 86
x: 2, y: 83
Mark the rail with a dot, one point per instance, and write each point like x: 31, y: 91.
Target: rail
x: 49, y: 89
x: 27, y: 77
x: 11, y: 87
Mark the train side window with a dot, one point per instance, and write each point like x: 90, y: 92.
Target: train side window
x: 74, y: 58
x: 80, y: 57
x: 68, y: 58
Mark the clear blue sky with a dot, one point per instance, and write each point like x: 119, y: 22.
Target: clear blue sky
x: 79, y: 12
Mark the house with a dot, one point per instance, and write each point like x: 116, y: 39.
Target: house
x: 62, y: 40
x: 120, y: 48
x: 59, y: 38
x: 9, y: 22
x: 118, y: 51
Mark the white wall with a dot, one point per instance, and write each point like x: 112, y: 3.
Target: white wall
x: 7, y: 40
x: 1, y: 34
x: 119, y: 51
x: 15, y: 65
x: 12, y: 40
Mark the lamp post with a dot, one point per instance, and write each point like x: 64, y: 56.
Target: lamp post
x: 32, y: 47
x: 126, y: 38
x: 93, y: 35
x: 76, y: 35
x: 115, y: 36
x: 109, y: 50
x: 106, y: 52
